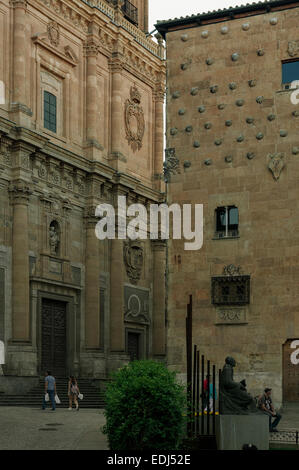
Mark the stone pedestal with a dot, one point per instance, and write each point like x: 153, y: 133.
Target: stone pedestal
x: 233, y: 431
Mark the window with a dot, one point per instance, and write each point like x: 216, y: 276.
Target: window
x: 50, y: 111
x: 231, y: 290
x: 227, y: 222
x: 290, y: 73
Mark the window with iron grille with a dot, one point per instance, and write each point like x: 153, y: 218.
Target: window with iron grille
x: 231, y: 290
x: 50, y: 111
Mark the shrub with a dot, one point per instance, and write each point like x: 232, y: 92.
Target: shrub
x: 144, y: 408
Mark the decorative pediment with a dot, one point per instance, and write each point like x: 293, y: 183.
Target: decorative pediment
x: 50, y: 40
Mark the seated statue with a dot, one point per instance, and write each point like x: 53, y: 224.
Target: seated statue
x: 234, y: 398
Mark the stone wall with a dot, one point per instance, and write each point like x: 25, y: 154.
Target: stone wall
x: 235, y: 135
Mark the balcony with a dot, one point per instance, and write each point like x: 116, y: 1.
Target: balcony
x: 130, y: 12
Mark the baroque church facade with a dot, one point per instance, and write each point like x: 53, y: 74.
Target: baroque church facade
x: 80, y: 125
x: 232, y: 145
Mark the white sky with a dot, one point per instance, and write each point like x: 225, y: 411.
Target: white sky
x: 165, y: 9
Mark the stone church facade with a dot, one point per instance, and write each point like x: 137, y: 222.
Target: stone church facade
x: 80, y: 125
x: 233, y: 146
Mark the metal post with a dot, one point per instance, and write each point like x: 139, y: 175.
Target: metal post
x: 208, y: 401
x: 197, y: 394
x: 194, y: 389
x: 189, y: 364
x: 214, y: 400
x: 202, y: 395
x: 219, y: 391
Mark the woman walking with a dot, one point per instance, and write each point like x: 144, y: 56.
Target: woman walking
x: 73, y: 392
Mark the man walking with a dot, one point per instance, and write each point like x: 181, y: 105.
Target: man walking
x: 50, y: 388
x: 266, y: 405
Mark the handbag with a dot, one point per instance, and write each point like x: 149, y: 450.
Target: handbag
x: 47, y: 397
x: 57, y: 401
x: 80, y: 396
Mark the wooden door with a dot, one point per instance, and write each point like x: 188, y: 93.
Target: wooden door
x: 134, y: 346
x: 54, y: 337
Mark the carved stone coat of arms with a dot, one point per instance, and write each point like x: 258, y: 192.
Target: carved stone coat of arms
x: 133, y: 258
x: 276, y: 164
x: 134, y: 120
x: 293, y: 49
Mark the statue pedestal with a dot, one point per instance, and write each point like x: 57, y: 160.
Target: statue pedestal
x: 233, y: 431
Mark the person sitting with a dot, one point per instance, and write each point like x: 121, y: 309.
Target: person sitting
x: 265, y: 404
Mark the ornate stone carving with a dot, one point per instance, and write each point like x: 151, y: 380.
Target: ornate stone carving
x: 133, y: 259
x: 53, y: 33
x: 293, y: 49
x: 276, y: 164
x: 136, y: 305
x: 230, y: 316
x: 134, y: 120
x: 171, y: 164
x: 232, y: 270
x: 235, y: 56
x: 67, y: 13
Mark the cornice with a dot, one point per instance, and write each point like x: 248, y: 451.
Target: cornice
x: 56, y: 165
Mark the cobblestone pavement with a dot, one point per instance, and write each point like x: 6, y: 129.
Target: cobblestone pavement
x: 290, y: 417
x: 35, y: 429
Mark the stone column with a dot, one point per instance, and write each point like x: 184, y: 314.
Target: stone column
x: 92, y: 283
x: 145, y: 16
x: 19, y: 57
x: 159, y: 327
x: 20, y: 262
x: 117, y: 334
x: 159, y: 136
x: 117, y: 117
x: 92, y: 98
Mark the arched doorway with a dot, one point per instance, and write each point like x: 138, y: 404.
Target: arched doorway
x: 291, y: 370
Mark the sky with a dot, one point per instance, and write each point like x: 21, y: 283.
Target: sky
x: 165, y: 9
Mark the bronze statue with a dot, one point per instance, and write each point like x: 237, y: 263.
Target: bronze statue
x: 234, y: 398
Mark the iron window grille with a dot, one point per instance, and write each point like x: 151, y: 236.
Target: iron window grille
x: 130, y: 12
x: 231, y: 290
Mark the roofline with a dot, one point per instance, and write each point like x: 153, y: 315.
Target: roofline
x: 218, y: 16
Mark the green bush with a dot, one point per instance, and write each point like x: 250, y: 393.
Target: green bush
x: 144, y: 408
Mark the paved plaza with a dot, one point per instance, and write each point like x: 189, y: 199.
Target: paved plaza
x: 35, y: 429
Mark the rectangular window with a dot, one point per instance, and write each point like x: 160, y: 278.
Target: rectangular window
x: 50, y: 111
x: 290, y: 73
x: 227, y: 222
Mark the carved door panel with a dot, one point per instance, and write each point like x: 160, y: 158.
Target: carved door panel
x: 290, y: 375
x: 54, y: 337
x: 134, y: 346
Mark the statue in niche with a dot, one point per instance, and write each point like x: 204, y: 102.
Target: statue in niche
x: 53, y: 239
x: 234, y: 398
